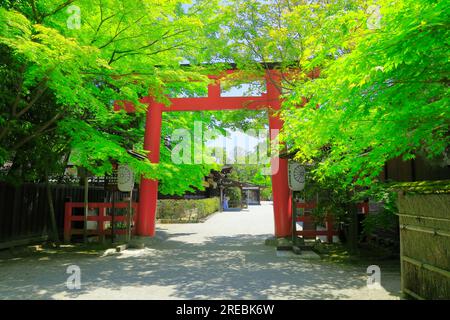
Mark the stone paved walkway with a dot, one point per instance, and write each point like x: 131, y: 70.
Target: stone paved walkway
x: 223, y: 258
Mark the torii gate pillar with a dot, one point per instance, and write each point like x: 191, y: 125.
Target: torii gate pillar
x: 280, y: 189
x: 148, y: 193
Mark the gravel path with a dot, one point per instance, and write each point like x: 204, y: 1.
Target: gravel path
x: 223, y: 258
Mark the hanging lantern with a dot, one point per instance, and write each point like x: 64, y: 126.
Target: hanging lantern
x: 296, y: 176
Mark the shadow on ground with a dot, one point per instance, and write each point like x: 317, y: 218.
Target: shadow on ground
x: 237, y: 267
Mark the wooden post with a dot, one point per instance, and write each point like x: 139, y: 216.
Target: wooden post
x: 68, y: 221
x: 113, y: 213
x: 294, y: 221
x: 330, y: 228
x: 242, y: 199
x: 101, y: 223
x: 55, y: 236
x: 129, y: 216
x: 353, y: 228
x: 221, y: 199
x: 86, y: 206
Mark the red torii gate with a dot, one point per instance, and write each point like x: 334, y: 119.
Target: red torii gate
x: 271, y: 100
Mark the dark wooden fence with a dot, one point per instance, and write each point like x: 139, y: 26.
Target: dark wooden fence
x: 24, y: 209
x: 418, y: 169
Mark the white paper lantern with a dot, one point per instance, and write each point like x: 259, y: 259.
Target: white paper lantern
x: 296, y: 176
x: 125, y: 178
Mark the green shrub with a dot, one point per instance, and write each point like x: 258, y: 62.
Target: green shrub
x: 170, y: 210
x: 266, y: 194
x: 234, y: 193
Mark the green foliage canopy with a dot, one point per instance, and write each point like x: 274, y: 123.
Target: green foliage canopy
x: 382, y: 92
x: 59, y: 82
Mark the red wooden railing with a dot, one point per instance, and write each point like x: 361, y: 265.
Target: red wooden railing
x: 306, y: 218
x: 101, y: 218
x: 362, y: 207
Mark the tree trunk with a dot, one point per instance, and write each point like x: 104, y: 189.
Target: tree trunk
x: 86, y: 208
x: 113, y: 216
x: 353, y: 229
x: 221, y: 199
x: 54, y: 227
x: 129, y: 218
